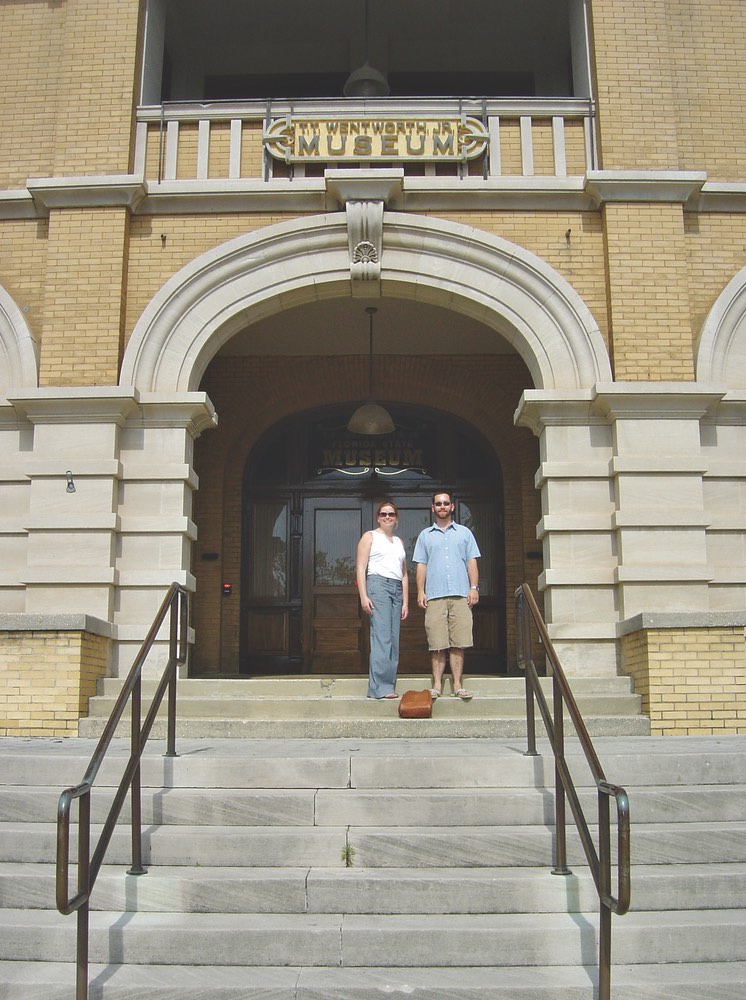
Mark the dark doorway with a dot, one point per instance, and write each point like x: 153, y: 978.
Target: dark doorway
x: 310, y: 489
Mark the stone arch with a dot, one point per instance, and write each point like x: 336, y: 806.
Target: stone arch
x: 721, y: 351
x: 465, y: 269
x: 19, y: 364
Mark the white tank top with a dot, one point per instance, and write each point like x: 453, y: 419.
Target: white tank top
x: 386, y: 558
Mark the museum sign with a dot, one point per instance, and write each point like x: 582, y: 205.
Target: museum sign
x: 300, y: 140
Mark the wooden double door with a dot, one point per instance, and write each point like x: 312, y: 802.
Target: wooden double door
x: 301, y: 608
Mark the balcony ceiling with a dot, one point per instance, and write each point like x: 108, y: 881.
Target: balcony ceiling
x: 340, y: 326
x: 232, y: 49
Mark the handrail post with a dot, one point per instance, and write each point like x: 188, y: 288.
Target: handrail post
x: 560, y: 803
x: 604, y: 893
x: 523, y: 640
x: 175, y: 653
x: 84, y: 890
x: 136, y: 788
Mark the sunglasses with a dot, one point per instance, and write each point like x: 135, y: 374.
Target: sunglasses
x: 443, y: 503
x: 387, y: 513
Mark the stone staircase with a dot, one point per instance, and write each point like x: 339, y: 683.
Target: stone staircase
x: 314, y: 707
x: 353, y: 869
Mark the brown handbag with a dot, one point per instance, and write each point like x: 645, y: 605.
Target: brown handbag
x: 416, y: 705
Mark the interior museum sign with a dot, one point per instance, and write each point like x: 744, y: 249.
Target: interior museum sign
x: 298, y: 140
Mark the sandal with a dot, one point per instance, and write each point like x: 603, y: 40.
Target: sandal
x: 463, y: 694
x: 434, y: 693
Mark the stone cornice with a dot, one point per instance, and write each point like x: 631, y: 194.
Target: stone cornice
x: 18, y: 204
x: 644, y: 185
x: 540, y: 408
x: 400, y: 192
x: 78, y: 404
x: 607, y: 402
x: 719, y: 197
x: 111, y: 191
x: 22, y: 622
x: 114, y: 404
x: 681, y: 619
x: 656, y: 400
x: 364, y: 185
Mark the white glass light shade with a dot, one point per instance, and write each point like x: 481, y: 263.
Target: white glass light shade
x: 366, y: 81
x: 370, y: 418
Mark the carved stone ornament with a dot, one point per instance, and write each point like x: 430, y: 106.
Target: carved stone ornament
x: 365, y: 239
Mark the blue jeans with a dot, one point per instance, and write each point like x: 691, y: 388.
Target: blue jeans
x: 385, y: 622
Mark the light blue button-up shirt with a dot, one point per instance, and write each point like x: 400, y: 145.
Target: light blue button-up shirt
x: 445, y: 553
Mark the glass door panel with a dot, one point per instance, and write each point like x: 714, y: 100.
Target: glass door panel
x: 332, y: 630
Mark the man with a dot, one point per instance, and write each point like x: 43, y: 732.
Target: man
x: 447, y: 577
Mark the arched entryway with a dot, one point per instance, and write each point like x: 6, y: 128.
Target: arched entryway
x: 310, y: 489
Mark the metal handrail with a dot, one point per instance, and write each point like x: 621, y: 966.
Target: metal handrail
x: 175, y: 604
x: 599, y: 861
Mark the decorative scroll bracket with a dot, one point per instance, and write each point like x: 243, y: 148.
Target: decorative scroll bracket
x: 364, y: 194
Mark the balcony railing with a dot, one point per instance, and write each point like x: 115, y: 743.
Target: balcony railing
x: 551, y: 138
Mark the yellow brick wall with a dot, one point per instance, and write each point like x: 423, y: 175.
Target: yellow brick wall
x: 46, y: 679
x: 659, y: 303
x: 670, y: 77
x: 692, y: 681
x: 98, y: 86
x: 648, y: 290
x: 23, y: 261
x: 635, y: 85
x: 160, y: 246
x: 29, y: 40
x: 68, y: 76
x: 708, y: 39
x: 83, y: 297
x: 570, y: 242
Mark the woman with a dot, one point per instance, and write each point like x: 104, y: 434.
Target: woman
x: 383, y: 586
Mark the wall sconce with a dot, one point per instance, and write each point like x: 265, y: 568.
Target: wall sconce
x: 70, y: 488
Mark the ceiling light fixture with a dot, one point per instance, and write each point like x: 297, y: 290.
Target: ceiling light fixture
x: 366, y: 81
x: 371, y: 418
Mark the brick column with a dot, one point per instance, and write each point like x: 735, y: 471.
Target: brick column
x: 648, y: 292
x: 83, y: 298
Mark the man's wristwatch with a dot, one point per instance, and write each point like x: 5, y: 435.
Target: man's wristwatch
x: 473, y: 587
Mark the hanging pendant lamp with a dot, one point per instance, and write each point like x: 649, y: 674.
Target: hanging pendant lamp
x: 366, y: 80
x: 371, y: 418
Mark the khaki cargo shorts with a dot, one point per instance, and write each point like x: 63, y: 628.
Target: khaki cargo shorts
x: 448, y: 623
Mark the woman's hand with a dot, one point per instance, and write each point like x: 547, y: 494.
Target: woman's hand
x: 366, y: 604
x: 404, y: 611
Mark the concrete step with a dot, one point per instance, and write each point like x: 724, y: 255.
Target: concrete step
x: 354, y: 707
x: 450, y: 847
x: 362, y: 940
x: 375, y: 807
x: 310, y: 707
x: 394, y: 890
x: 329, y: 687
x: 683, y: 981
x: 381, y: 847
x: 390, y: 727
x: 681, y: 762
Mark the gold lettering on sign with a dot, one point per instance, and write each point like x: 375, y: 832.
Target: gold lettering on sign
x: 349, y: 139
x: 351, y: 456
